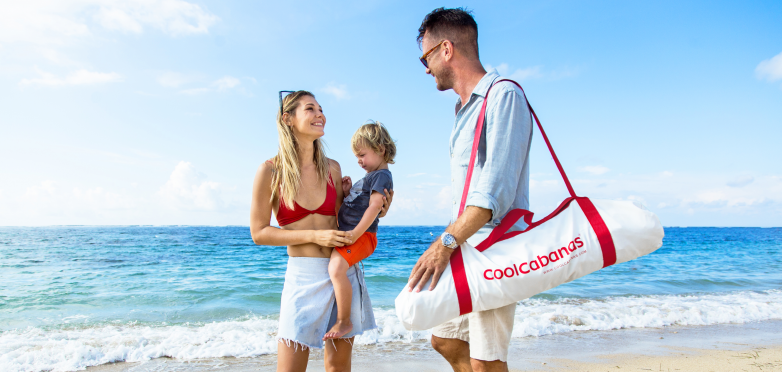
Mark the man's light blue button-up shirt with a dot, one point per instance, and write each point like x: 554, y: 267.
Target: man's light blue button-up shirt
x: 500, y: 180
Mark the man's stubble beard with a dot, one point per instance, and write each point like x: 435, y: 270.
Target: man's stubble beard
x: 444, y: 79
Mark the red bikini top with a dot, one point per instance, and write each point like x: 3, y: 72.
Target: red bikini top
x: 328, y: 208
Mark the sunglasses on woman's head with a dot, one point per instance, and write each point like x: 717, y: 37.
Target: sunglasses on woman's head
x: 281, y: 92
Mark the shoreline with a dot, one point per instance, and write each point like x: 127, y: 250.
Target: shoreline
x: 725, y: 347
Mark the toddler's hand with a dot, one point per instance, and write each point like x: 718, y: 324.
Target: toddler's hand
x: 347, y: 184
x: 352, y: 236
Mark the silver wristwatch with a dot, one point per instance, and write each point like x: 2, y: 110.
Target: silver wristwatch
x: 448, y: 240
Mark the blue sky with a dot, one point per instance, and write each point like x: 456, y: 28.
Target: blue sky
x: 137, y: 112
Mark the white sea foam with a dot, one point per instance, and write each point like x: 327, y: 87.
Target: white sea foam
x: 542, y: 317
x: 34, y: 349
x: 70, y: 349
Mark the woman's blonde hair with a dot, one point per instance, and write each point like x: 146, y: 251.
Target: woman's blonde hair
x: 286, y: 178
x: 374, y: 135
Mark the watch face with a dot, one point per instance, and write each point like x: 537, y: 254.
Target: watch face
x: 448, y: 240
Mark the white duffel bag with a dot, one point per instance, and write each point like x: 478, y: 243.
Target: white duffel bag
x: 490, y: 271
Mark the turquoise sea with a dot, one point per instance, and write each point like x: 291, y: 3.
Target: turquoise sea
x: 77, y: 296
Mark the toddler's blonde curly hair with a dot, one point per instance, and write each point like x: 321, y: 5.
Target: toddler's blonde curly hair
x: 374, y: 135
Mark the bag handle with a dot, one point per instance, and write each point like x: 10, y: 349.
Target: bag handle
x: 477, y: 139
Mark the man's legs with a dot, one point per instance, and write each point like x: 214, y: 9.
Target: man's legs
x: 455, y: 351
x: 478, y: 341
x: 493, y: 366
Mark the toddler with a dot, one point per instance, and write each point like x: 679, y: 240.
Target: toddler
x: 374, y: 150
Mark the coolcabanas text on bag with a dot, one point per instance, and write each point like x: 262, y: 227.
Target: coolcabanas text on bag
x: 539, y: 262
x: 489, y: 271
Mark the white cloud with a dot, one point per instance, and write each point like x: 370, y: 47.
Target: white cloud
x: 770, y: 69
x: 526, y: 73
x: 79, y: 77
x: 221, y: 85
x: 594, y: 169
x: 194, y: 91
x: 99, y: 199
x: 741, y: 181
x: 189, y: 189
x: 171, y: 79
x: 534, y: 183
x: 43, y: 197
x: 44, y: 190
x: 502, y: 69
x: 685, y: 198
x: 118, y: 20
x: 533, y: 72
x: 40, y: 22
x: 54, y: 56
x: 225, y: 83
x: 413, y: 205
x: 426, y: 201
x: 60, y: 22
x: 338, y: 91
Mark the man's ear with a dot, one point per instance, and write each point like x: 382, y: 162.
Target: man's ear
x: 448, y: 50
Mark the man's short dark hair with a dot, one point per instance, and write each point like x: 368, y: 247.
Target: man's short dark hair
x: 456, y: 25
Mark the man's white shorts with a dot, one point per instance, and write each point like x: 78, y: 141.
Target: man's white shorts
x: 488, y: 332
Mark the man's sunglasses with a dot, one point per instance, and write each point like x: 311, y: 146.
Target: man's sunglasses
x: 423, y: 57
x: 286, y: 93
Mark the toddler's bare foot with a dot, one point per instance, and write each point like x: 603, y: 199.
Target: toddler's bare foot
x: 339, y: 329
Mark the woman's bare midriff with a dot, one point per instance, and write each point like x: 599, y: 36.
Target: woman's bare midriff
x: 311, y: 222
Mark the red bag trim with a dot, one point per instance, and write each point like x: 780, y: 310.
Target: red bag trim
x: 460, y: 282
x: 511, y: 218
x: 600, y: 229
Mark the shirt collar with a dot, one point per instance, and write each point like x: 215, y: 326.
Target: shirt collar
x: 483, y: 85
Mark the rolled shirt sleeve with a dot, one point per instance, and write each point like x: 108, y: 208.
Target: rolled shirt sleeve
x: 503, y: 151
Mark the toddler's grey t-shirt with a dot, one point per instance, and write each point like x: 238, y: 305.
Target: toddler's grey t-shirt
x: 355, y: 204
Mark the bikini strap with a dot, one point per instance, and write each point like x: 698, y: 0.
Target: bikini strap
x: 274, y: 166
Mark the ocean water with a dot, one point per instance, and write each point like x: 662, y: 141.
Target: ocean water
x: 72, y: 297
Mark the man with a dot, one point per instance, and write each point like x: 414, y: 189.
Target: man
x: 477, y: 341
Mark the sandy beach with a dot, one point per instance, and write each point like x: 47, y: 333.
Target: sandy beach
x: 729, y: 347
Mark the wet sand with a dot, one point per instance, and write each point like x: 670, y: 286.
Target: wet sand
x: 729, y: 347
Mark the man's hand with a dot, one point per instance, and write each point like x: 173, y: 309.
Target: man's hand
x: 386, y: 202
x: 431, y: 264
x: 347, y: 184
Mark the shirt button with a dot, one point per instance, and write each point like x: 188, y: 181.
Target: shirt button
x: 454, y: 201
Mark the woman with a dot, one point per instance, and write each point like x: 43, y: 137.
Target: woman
x: 293, y: 184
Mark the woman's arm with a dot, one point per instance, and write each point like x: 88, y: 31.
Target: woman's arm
x: 336, y: 177
x: 261, y: 213
x: 386, y: 202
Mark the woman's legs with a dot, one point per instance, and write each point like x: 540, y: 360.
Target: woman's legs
x: 291, y: 357
x: 338, y: 271
x: 337, y: 354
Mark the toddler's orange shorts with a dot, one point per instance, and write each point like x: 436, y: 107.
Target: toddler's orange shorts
x: 362, y: 248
